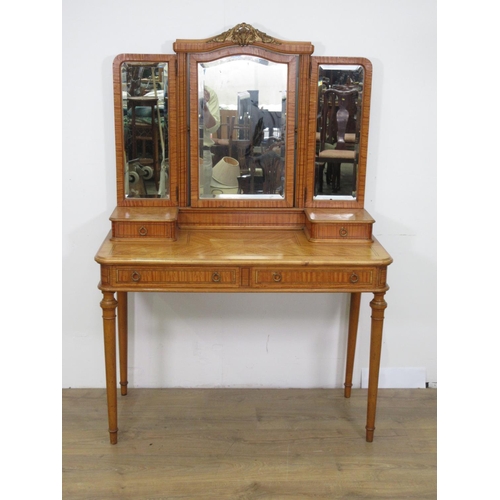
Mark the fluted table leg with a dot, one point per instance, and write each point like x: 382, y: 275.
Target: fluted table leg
x: 123, y: 340
x: 108, y: 305
x: 378, y: 305
x: 351, y: 341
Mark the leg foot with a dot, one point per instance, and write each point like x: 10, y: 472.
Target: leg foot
x: 113, y: 436
x: 369, y: 435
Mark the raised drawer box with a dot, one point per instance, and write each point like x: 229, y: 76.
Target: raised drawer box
x: 338, y: 224
x: 145, y: 223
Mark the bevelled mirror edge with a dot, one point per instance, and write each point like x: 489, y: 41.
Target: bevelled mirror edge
x: 197, y: 63
x: 348, y: 88
x: 142, y: 117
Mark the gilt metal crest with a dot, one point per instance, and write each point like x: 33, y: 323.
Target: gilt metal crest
x: 244, y: 34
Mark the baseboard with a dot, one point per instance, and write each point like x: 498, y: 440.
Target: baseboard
x: 397, y: 378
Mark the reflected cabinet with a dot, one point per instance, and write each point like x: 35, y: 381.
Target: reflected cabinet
x: 241, y: 167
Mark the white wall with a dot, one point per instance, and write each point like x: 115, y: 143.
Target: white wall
x: 254, y: 340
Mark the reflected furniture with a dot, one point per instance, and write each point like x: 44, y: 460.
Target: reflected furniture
x: 144, y: 132
x: 273, y: 232
x: 336, y: 144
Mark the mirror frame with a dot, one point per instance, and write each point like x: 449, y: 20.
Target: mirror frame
x: 122, y: 201
x: 358, y: 202
x: 242, y: 39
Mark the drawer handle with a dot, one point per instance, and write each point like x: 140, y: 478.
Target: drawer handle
x: 216, y: 277
x: 143, y: 231
x: 277, y: 277
x: 136, y: 276
x: 354, y: 278
x: 343, y: 232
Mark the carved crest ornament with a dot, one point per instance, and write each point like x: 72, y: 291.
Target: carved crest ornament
x: 244, y: 34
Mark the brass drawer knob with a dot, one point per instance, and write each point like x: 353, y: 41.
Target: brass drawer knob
x: 343, y: 232
x: 136, y: 276
x: 143, y: 231
x: 354, y: 278
x: 216, y: 277
x: 277, y: 277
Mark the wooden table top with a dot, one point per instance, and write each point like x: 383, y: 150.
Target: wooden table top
x: 241, y: 247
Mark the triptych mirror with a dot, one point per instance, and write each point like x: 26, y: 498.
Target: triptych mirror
x: 241, y: 120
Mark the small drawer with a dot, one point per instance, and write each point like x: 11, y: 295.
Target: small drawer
x: 318, y: 231
x: 180, y: 277
x: 143, y: 230
x: 312, y: 278
x: 339, y: 224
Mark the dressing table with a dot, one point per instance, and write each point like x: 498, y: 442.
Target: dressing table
x: 276, y: 216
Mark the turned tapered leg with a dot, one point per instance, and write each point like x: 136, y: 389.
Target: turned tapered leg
x: 123, y: 339
x: 378, y: 305
x: 351, y: 341
x: 108, y: 305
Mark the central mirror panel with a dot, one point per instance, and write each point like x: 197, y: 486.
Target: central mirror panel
x: 243, y: 147
x: 242, y: 127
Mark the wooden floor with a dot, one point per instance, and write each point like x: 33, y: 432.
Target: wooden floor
x: 247, y: 444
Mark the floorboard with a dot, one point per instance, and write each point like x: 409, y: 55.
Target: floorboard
x: 249, y: 444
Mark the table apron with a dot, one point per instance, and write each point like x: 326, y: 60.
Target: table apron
x: 213, y: 278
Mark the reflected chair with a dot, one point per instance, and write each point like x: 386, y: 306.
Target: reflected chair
x: 338, y: 134
x: 241, y: 142
x: 223, y: 140
x: 265, y: 176
x: 250, y: 181
x: 144, y: 131
x: 273, y: 171
x: 233, y: 140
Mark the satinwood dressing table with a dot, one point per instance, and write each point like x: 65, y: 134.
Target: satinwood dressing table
x: 247, y: 184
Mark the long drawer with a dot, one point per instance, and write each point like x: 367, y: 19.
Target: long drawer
x: 178, y: 277
x: 312, y: 278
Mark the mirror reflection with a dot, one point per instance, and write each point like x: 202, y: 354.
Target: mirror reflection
x: 145, y: 129
x: 242, y: 125
x: 338, y: 120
